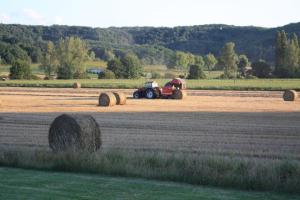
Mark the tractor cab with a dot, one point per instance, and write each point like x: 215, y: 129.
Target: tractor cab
x: 151, y: 84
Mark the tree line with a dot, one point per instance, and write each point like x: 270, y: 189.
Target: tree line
x: 151, y: 45
x: 287, y: 56
x: 67, y: 60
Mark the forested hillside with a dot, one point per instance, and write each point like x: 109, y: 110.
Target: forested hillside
x: 152, y: 45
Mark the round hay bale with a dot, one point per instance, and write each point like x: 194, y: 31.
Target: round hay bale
x: 107, y: 99
x: 179, y: 94
x: 76, y: 85
x: 290, y: 95
x: 74, y: 132
x: 120, y: 97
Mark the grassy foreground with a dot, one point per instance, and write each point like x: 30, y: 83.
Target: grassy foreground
x: 209, y: 84
x: 30, y: 184
x: 239, y: 173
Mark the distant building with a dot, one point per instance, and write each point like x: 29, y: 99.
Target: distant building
x: 94, y: 70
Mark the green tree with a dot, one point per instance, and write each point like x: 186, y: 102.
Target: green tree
x: 132, y: 65
x: 196, y: 72
x: 108, y: 55
x: 228, y: 60
x: 106, y: 74
x: 280, y: 53
x: 115, y: 65
x: 210, y: 61
x: 49, y: 61
x: 292, y: 57
x: 287, y: 56
x: 261, y: 69
x: 243, y: 64
x: 72, y: 55
x: 92, y: 55
x: 191, y: 59
x: 10, y: 53
x: 182, y: 60
x: 198, y: 60
x: 20, y: 69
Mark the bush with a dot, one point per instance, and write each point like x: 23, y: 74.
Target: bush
x: 35, y: 77
x: 49, y: 78
x: 81, y: 75
x: 261, y: 69
x: 106, y: 74
x: 170, y: 75
x: 196, y: 72
x: 128, y: 66
x: 156, y: 75
x: 20, y: 69
x: 249, y: 76
x: 223, y: 76
x: 132, y: 65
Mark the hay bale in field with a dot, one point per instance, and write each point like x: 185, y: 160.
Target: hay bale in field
x: 179, y: 94
x: 76, y: 85
x: 120, y: 97
x: 290, y: 95
x: 74, y: 132
x: 107, y: 99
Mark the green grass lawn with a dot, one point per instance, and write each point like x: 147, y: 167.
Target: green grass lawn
x: 31, y: 184
x: 242, y: 84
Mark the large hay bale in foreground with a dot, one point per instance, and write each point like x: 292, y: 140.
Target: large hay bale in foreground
x: 290, y: 95
x: 107, y: 99
x: 179, y: 94
x: 76, y: 85
x: 74, y: 132
x: 120, y: 97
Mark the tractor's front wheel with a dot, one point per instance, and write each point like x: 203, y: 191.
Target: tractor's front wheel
x: 136, y: 95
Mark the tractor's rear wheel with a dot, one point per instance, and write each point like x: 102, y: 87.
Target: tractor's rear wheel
x: 150, y: 93
x: 178, y: 94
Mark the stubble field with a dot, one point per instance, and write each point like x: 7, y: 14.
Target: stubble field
x: 233, y: 123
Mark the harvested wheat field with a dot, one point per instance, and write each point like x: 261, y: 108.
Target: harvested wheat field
x: 235, y: 123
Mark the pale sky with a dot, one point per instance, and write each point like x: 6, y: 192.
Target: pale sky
x: 170, y: 13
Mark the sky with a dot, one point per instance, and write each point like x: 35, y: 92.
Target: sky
x: 168, y: 13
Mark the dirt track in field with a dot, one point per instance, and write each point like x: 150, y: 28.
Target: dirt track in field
x: 258, y: 124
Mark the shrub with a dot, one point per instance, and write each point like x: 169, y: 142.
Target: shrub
x: 128, y: 66
x: 249, y: 76
x: 106, y: 74
x: 20, y: 69
x: 261, y: 69
x: 156, y: 75
x: 35, y: 77
x: 80, y: 75
x: 223, y: 76
x: 196, y: 72
x: 170, y: 75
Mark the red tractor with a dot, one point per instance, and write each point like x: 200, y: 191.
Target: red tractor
x: 173, y: 89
